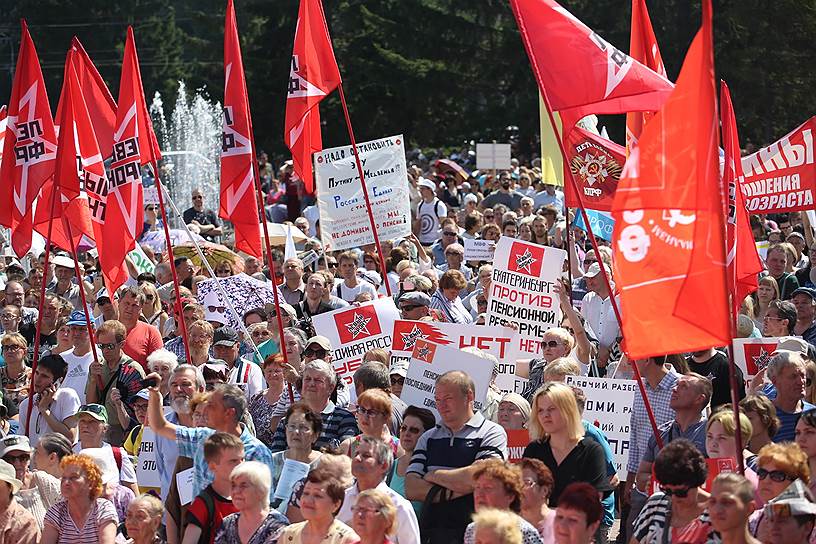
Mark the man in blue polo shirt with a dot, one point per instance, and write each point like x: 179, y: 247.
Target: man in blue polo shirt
x: 445, y: 457
x: 786, y: 370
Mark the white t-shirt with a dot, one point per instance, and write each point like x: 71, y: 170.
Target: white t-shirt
x: 127, y: 474
x: 348, y: 294
x: 250, y: 378
x: 65, y: 404
x: 76, y: 377
x: 428, y: 214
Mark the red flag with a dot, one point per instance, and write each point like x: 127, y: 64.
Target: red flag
x: 134, y: 144
x: 98, y: 99
x: 78, y: 165
x: 596, y: 165
x: 643, y: 48
x: 669, y: 233
x: 580, y: 72
x: 744, y: 263
x: 30, y: 147
x: 312, y: 76
x: 3, y: 119
x: 238, y: 198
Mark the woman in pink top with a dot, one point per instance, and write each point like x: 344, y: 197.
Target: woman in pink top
x: 537, y: 483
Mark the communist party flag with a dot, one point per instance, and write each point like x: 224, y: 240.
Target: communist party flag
x: 134, y: 144
x: 580, y: 72
x: 30, y: 147
x: 643, y: 48
x: 3, y: 119
x: 98, y: 99
x: 744, y: 264
x: 313, y: 75
x: 238, y: 198
x: 669, y: 238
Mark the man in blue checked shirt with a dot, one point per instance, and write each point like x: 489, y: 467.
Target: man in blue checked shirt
x: 224, y: 410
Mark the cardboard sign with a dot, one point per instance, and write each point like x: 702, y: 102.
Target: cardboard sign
x: 522, y: 290
x: 184, y: 482
x: 609, y: 407
x: 479, y: 250
x: 344, y: 221
x: 354, y: 330
x: 140, y: 261
x: 429, y: 361
x: 517, y: 440
x: 147, y: 474
x: 753, y: 354
x: 496, y: 341
x: 493, y: 157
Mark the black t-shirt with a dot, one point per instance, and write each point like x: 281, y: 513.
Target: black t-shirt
x: 585, y: 463
x: 203, y: 217
x: 716, y: 370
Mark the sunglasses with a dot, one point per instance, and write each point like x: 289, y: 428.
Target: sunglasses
x: 449, y: 234
x: 551, y: 344
x: 368, y: 412
x: 311, y: 352
x: 199, y: 197
x: 679, y: 493
x: 110, y: 346
x: 12, y: 348
x: 409, y: 307
x: 150, y: 208
x: 775, y: 475
x: 415, y: 430
x: 397, y: 380
x: 92, y: 408
x: 331, y: 264
x: 22, y: 457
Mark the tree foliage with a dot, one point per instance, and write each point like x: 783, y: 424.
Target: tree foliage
x: 440, y: 71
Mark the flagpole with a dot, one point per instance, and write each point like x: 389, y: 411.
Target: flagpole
x: 594, y: 242
x: 365, y: 189
x: 38, y: 333
x: 179, y: 311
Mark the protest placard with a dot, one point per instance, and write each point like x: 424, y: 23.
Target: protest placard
x: 150, y: 195
x: 517, y: 440
x: 344, y: 221
x: 184, y: 482
x: 140, y: 261
x: 493, y: 340
x: 493, y: 156
x: 429, y: 361
x: 753, y: 354
x: 602, y: 223
x: 522, y: 290
x: 355, y: 330
x: 479, y: 250
x: 609, y: 407
x: 147, y: 473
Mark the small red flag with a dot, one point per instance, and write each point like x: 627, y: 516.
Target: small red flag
x: 579, y: 71
x: 669, y: 237
x: 313, y: 75
x: 98, y: 98
x: 744, y: 263
x: 134, y: 144
x: 3, y: 119
x: 238, y: 197
x: 30, y: 147
x: 643, y: 48
x: 596, y: 165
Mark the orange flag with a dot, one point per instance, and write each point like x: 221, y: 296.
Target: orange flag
x: 643, y: 48
x: 669, y: 237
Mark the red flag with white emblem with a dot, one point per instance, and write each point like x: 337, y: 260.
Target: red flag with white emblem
x: 134, y: 144
x: 238, y: 197
x: 643, y: 48
x: 669, y: 238
x: 3, y: 119
x: 30, y: 147
x: 313, y: 75
x: 98, y: 98
x: 744, y: 263
x: 580, y: 72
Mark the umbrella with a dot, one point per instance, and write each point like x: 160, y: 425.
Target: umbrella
x: 244, y: 292
x: 214, y: 253
x: 155, y: 239
x: 447, y: 165
x: 277, y: 234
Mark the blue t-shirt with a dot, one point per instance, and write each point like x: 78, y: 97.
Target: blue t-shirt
x: 787, y: 423
x: 608, y: 502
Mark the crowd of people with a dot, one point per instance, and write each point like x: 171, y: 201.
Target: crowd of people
x: 135, y: 434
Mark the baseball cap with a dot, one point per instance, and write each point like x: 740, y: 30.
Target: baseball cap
x: 805, y: 291
x: 428, y: 184
x: 96, y: 411
x: 321, y: 341
x: 8, y: 475
x: 77, y: 318
x: 417, y: 298
x: 143, y: 394
x: 398, y: 369
x: 225, y: 336
x: 470, y: 197
x: 14, y: 442
x: 595, y: 269
x: 64, y: 261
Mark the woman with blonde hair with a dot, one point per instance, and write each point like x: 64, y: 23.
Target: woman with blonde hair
x: 375, y: 517
x: 721, y: 434
x: 152, y: 309
x: 767, y: 290
x: 558, y: 441
x: 492, y: 526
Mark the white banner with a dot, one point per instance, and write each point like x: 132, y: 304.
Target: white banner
x: 355, y: 330
x: 753, y: 354
x: 609, y: 407
x: 147, y: 474
x: 496, y: 341
x: 522, y: 290
x: 429, y: 361
x: 479, y: 250
x: 344, y: 222
x: 493, y: 156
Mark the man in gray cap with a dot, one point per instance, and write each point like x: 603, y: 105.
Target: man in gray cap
x: 414, y: 305
x: 804, y: 298
x: 243, y: 373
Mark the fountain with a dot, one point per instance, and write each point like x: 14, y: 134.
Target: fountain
x: 191, y: 146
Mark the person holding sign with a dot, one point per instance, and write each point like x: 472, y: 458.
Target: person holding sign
x: 303, y: 427
x: 721, y: 437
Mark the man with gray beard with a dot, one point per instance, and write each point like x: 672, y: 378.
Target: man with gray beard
x: 185, y: 382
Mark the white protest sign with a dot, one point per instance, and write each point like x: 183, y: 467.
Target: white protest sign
x: 753, y: 354
x: 429, y: 361
x: 354, y: 330
x: 184, y: 482
x: 496, y: 341
x: 479, y: 250
x: 151, y: 195
x: 344, y: 221
x: 141, y: 261
x: 147, y: 473
x: 609, y: 407
x: 291, y: 473
x: 522, y: 290
x: 493, y: 156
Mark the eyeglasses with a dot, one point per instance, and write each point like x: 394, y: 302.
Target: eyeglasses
x: 12, y: 347
x: 770, y: 317
x: 397, y: 380
x: 679, y: 493
x: 368, y: 412
x: 7, y: 316
x: 311, y: 352
x: 775, y: 475
x: 409, y: 307
x: 364, y: 512
x: 415, y: 430
x: 108, y: 347
x: 552, y: 344
x: 454, y: 253
x: 448, y: 233
x: 529, y: 483
x: 303, y: 429
x: 198, y: 197
x: 150, y: 208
